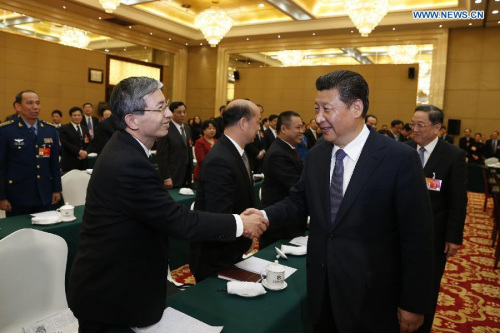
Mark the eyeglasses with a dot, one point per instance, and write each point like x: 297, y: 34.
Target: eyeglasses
x: 418, y: 126
x: 162, y: 110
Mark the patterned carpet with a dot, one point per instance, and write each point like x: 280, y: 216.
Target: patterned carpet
x: 469, y: 301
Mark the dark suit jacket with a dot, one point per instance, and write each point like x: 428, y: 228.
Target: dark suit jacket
x: 282, y: 169
x: 219, y: 125
x: 253, y: 150
x: 223, y: 187
x: 268, y: 138
x: 120, y: 269
x: 311, y: 140
x: 448, y: 138
x: 378, y: 255
x: 449, y: 205
x: 175, y: 157
x: 102, y: 135
x: 95, y: 122
x: 488, y: 149
x: 71, y: 146
x: 476, y: 153
x: 464, y: 144
x: 392, y: 135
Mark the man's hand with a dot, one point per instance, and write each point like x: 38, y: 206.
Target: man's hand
x: 451, y: 249
x: 409, y: 321
x: 261, y: 154
x: 56, y: 197
x: 250, y: 211
x: 168, y: 183
x: 5, y: 205
x: 82, y: 155
x: 253, y: 225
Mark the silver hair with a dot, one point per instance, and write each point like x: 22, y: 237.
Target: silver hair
x: 128, y: 97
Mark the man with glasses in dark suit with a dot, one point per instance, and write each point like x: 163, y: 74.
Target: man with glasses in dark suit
x: 119, y: 275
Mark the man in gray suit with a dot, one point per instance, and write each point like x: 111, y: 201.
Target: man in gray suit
x: 174, y: 151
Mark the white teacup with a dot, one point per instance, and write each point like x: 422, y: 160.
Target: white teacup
x: 274, y: 276
x: 67, y: 212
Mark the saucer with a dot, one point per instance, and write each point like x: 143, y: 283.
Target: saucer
x: 70, y: 220
x: 264, y: 283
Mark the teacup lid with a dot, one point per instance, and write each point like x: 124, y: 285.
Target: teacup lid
x: 275, y: 267
x: 67, y: 206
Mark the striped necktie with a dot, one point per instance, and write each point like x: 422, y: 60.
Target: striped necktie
x: 337, y: 185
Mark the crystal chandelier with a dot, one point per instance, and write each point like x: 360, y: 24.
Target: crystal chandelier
x: 214, y: 24
x: 290, y: 57
x: 109, y: 5
x: 403, y: 54
x: 366, y: 14
x: 74, y: 37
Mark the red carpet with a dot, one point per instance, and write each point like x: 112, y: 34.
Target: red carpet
x: 469, y: 300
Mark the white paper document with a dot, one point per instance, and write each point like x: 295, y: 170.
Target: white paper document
x: 300, y: 241
x: 258, y: 265
x: 62, y: 322
x: 174, y: 321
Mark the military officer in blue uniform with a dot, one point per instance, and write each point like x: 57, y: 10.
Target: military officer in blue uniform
x: 30, y: 178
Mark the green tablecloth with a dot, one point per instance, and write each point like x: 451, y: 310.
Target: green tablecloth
x: 178, y: 249
x: 275, y: 311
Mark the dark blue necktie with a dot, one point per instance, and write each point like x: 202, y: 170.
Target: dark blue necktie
x: 33, y: 132
x: 421, y: 152
x: 337, y: 185
x: 89, y: 125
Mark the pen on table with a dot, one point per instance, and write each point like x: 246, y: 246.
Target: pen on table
x: 221, y: 289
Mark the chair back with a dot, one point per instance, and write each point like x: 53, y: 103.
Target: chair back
x: 491, y: 160
x: 74, y: 187
x: 32, y: 275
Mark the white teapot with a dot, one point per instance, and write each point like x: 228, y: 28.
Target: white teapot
x: 67, y: 212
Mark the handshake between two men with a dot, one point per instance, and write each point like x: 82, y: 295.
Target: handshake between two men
x: 254, y: 223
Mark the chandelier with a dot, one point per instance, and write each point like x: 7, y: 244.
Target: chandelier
x: 366, y: 14
x: 403, y: 54
x: 214, y: 24
x: 290, y: 57
x: 74, y: 37
x: 109, y: 5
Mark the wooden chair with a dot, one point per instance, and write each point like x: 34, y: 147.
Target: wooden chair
x: 490, y: 185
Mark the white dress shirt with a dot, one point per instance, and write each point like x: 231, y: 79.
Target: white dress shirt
x: 428, y: 149
x: 353, y: 150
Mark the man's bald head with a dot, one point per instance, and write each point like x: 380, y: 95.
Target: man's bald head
x: 237, y: 109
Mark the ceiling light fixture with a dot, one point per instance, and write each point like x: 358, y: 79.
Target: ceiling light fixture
x: 290, y: 57
x: 109, y: 5
x: 366, y: 14
x: 74, y: 37
x: 403, y: 54
x: 214, y: 24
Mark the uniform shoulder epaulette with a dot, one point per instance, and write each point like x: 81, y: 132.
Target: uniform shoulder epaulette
x: 6, y: 123
x: 46, y: 123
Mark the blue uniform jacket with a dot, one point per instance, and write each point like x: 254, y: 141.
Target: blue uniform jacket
x: 29, y: 169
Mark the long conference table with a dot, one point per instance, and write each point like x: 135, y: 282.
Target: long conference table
x: 276, y: 311
x: 69, y: 231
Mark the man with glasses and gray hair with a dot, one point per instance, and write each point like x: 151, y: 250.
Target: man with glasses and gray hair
x: 446, y: 178
x: 119, y: 275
